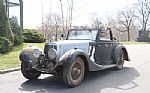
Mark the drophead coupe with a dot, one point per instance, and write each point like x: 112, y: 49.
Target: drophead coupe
x: 83, y: 50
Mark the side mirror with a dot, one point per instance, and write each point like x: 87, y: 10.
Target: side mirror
x: 62, y: 36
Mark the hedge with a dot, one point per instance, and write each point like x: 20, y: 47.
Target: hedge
x: 32, y: 36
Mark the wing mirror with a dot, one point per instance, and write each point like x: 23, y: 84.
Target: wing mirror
x: 62, y: 36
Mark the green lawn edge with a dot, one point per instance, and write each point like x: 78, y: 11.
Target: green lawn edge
x: 134, y: 43
x: 11, y: 59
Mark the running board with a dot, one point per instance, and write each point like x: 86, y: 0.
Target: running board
x: 95, y: 67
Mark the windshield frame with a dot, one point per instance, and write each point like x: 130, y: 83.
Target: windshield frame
x: 67, y: 38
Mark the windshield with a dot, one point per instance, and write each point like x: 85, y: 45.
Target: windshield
x: 82, y: 34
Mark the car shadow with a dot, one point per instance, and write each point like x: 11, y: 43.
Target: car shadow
x: 93, y: 82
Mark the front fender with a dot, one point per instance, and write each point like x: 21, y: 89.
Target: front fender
x: 27, y: 54
x: 117, y: 50
x: 71, y: 55
x: 24, y: 57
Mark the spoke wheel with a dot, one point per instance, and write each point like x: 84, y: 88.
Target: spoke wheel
x: 74, y: 72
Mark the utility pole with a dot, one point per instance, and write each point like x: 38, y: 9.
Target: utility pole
x: 62, y: 14
x: 42, y: 19
x: 21, y: 15
x: 12, y: 4
x: 7, y: 7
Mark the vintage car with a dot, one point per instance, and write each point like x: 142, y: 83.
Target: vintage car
x: 83, y: 50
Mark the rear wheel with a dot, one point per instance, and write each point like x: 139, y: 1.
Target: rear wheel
x: 73, y: 73
x: 119, y: 60
x: 28, y: 72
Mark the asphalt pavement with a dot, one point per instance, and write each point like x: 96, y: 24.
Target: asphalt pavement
x: 133, y: 78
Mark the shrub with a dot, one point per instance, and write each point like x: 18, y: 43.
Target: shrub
x: 18, y: 38
x: 32, y: 36
x: 5, y: 45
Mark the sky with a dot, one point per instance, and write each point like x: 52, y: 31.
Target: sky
x: 83, y: 10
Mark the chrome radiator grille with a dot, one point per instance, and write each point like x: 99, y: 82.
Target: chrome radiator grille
x: 47, y: 47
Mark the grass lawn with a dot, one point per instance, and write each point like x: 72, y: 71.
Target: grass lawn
x: 11, y: 59
x: 135, y: 42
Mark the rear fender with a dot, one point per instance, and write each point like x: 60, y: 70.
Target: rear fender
x: 117, y: 51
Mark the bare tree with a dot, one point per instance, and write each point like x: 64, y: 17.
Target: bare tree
x: 143, y: 13
x: 111, y: 22
x: 96, y: 22
x: 52, y: 24
x: 126, y: 19
x: 69, y: 14
x: 67, y: 19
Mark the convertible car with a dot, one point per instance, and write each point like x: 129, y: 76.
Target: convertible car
x: 83, y: 50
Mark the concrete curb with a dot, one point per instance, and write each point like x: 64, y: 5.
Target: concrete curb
x: 9, y: 70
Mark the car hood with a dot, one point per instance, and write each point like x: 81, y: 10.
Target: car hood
x: 66, y: 45
x: 68, y: 42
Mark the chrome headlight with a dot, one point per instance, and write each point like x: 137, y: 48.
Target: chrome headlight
x: 52, y: 53
x: 36, y: 53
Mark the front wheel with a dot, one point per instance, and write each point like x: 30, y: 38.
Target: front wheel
x: 73, y: 73
x: 28, y: 72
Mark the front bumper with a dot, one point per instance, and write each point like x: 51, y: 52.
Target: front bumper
x: 41, y: 64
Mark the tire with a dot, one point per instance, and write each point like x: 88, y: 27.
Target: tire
x: 119, y: 60
x: 73, y: 73
x: 29, y: 73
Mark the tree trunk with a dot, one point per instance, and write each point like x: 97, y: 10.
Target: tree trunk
x: 56, y: 35
x: 145, y: 26
x: 128, y: 30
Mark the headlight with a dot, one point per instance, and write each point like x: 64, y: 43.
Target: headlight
x: 36, y: 53
x: 52, y: 53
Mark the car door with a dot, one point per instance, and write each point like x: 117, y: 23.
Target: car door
x: 103, y: 49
